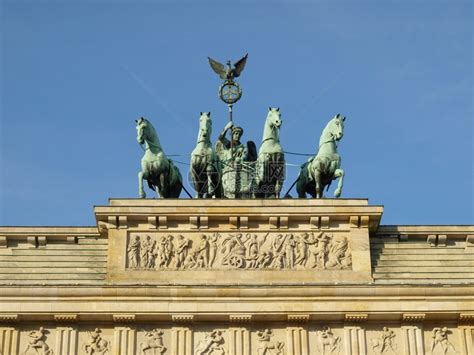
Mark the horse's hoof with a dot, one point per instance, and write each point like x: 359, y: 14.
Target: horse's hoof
x: 337, y: 193
x: 142, y: 195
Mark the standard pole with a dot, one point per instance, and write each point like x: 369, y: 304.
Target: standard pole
x: 231, y: 140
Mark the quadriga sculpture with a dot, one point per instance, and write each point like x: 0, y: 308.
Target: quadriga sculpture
x: 162, y: 176
x: 319, y: 171
x: 204, y: 164
x: 271, y: 160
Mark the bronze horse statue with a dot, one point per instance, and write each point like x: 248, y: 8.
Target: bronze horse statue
x: 204, y: 162
x: 319, y: 171
x: 271, y: 159
x: 160, y: 172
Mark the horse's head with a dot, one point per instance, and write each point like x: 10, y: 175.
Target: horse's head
x: 142, y: 124
x: 274, y: 117
x: 335, y: 127
x: 272, y: 125
x: 146, y: 133
x: 205, y: 127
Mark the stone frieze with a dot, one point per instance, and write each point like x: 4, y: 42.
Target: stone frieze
x: 251, y: 339
x: 244, y: 251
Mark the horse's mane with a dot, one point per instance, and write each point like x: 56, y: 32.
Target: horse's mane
x: 325, y: 130
x: 154, y: 140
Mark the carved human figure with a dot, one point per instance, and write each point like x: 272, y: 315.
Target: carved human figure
x: 212, y: 344
x: 252, y: 250
x: 164, y: 251
x: 37, y: 342
x: 146, y: 253
x: 213, y: 249
x: 191, y: 261
x: 202, y: 252
x: 290, y: 246
x: 337, y: 253
x: 153, y: 341
x: 278, y: 251
x: 266, y: 346
x: 327, y: 342
x: 319, y: 251
x: 264, y: 260
x: 385, y: 342
x: 133, y: 253
x: 181, y: 250
x: 301, y: 249
x: 169, y: 249
x: 440, y: 337
x: 95, y: 345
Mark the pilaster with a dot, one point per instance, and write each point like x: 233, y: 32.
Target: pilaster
x: 412, y: 328
x: 182, y: 341
x: 297, y: 340
x: 66, y: 341
x: 8, y: 341
x: 354, y: 341
x: 239, y: 341
x: 124, y: 341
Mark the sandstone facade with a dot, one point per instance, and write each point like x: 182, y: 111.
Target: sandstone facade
x: 235, y: 277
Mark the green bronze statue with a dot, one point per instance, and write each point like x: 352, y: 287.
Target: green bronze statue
x: 270, y: 173
x: 161, y: 174
x: 231, y: 149
x: 319, y: 171
x: 237, y: 163
x: 204, y: 163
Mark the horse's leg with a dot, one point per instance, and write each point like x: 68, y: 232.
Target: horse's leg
x: 141, y: 191
x: 339, y: 173
x: 165, y: 183
x: 278, y: 186
x: 195, y: 178
x: 279, y: 165
x: 210, y: 185
x: 317, y: 183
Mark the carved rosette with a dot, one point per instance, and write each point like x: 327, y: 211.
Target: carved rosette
x: 245, y: 251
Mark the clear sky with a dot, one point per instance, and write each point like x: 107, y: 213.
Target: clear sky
x: 76, y: 74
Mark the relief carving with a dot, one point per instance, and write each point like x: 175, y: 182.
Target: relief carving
x: 239, y: 251
x: 96, y: 345
x: 327, y: 342
x: 385, y: 342
x: 133, y: 253
x: 266, y: 346
x: 37, y: 342
x: 181, y: 252
x: 212, y: 344
x: 440, y: 340
x: 147, y: 256
x: 153, y: 342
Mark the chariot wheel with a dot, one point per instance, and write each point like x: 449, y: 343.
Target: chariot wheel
x: 236, y: 261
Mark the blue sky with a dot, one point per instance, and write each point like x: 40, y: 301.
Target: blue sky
x: 76, y: 74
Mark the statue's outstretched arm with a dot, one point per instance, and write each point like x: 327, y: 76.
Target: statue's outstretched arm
x: 226, y: 128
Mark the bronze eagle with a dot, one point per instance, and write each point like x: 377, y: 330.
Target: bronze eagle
x: 228, y: 73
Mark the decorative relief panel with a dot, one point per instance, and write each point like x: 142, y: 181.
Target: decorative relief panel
x: 213, y: 343
x: 327, y: 342
x: 267, y: 346
x: 292, y: 251
x: 440, y: 342
x: 153, y: 343
x: 251, y: 339
x: 385, y: 343
x: 95, y: 343
x: 37, y: 342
